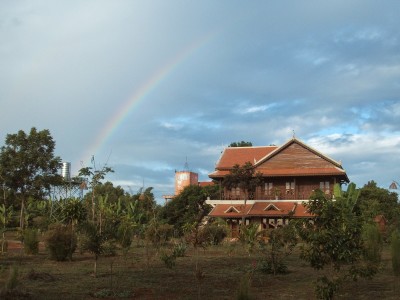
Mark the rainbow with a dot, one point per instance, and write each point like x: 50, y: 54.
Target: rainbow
x: 146, y: 88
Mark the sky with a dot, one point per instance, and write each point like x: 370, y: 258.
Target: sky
x: 146, y: 86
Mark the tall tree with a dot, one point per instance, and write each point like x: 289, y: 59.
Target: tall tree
x: 189, y: 207
x: 28, y: 166
x: 245, y: 178
x: 94, y: 177
x: 379, y: 201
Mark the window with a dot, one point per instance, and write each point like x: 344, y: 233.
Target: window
x: 324, y: 186
x: 268, y: 188
x: 235, y: 191
x: 290, y: 187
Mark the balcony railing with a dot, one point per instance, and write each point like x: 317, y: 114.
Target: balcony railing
x: 287, y: 195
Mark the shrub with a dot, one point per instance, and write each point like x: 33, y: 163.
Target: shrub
x: 373, y: 243
x: 158, y: 234
x: 61, y: 242
x: 109, y: 248
x: 168, y: 259
x: 268, y: 267
x: 31, y: 241
x: 215, y: 233
x: 180, y: 250
x: 41, y: 223
x: 124, y: 234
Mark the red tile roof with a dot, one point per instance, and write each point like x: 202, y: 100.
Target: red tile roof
x: 261, y: 158
x: 241, y: 155
x: 205, y: 183
x: 230, y: 210
x: 260, y: 209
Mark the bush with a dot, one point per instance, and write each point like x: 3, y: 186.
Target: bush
x: 180, y: 250
x: 215, y: 233
x: 109, y: 248
x: 61, y: 242
x: 373, y: 243
x: 168, y: 259
x: 41, y: 223
x: 31, y: 241
x: 158, y: 234
x: 268, y: 267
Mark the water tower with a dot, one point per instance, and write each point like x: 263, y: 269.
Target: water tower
x: 70, y: 186
x: 66, y: 171
x: 185, y: 178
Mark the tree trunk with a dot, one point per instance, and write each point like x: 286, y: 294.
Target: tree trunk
x: 21, y: 216
x: 95, y: 266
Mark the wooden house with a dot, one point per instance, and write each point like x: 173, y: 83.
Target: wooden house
x: 290, y: 173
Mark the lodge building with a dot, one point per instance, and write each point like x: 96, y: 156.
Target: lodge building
x: 290, y: 174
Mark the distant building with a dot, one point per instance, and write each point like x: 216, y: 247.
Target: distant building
x: 184, y: 179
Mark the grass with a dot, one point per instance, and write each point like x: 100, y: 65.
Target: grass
x: 134, y: 277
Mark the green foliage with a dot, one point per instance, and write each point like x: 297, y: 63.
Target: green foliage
x: 326, y: 288
x: 334, y: 239
x: 6, y: 214
x: 92, y: 240
x: 124, y: 234
x: 180, y: 250
x: 61, y: 242
x: 188, y: 207
x: 168, y: 259
x: 373, y: 243
x: 158, y: 233
x: 376, y: 201
x: 146, y: 204
x: 27, y: 162
x: 109, y: 247
x: 73, y: 211
x: 281, y: 242
x: 249, y: 235
x: 28, y: 166
x: 241, y: 144
x: 215, y: 233
x: 94, y: 177
x: 31, y: 241
x: 395, y: 251
x: 334, y: 235
x: 243, y: 177
x: 273, y: 268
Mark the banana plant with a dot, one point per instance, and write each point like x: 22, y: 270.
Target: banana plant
x: 350, y: 197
